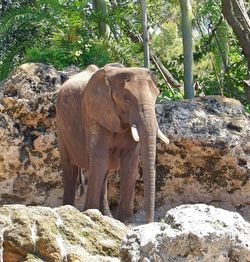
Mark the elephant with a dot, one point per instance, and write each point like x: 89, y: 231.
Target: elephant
x: 105, y: 117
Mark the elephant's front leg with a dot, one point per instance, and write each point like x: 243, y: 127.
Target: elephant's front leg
x: 104, y: 205
x: 128, y: 171
x: 98, y: 164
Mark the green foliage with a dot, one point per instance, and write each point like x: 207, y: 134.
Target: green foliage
x: 220, y: 51
x: 65, y: 32
x: 61, y: 33
x: 51, y: 56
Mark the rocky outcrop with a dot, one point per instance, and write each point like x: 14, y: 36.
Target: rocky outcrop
x: 35, y: 234
x: 207, y: 160
x: 190, y: 233
x: 29, y: 157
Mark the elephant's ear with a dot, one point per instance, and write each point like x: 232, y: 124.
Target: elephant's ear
x: 153, y: 87
x: 99, y: 103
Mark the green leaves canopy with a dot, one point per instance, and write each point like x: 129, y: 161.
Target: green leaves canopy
x: 65, y: 32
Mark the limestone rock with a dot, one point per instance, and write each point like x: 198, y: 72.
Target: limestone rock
x: 29, y: 157
x: 190, y: 233
x: 208, y: 159
x: 59, y: 234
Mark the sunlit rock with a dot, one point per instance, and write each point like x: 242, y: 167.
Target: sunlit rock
x: 190, y: 233
x: 59, y: 234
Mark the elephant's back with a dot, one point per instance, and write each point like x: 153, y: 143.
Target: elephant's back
x: 79, y: 80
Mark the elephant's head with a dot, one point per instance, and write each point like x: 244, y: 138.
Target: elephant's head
x: 119, y: 98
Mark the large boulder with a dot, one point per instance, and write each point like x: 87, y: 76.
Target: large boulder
x: 207, y: 160
x: 34, y: 234
x: 190, y: 233
x: 29, y: 156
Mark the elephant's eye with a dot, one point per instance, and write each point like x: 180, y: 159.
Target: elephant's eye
x: 126, y: 98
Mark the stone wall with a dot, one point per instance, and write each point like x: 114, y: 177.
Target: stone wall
x: 207, y: 161
x: 190, y: 233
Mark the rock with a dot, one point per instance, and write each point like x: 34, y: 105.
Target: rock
x: 190, y: 233
x: 59, y: 234
x: 29, y: 156
x: 207, y: 160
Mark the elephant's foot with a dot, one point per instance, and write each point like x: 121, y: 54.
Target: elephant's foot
x: 125, y: 217
x: 107, y: 213
x: 104, y: 208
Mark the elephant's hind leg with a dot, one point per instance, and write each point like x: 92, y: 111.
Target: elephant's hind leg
x: 70, y: 176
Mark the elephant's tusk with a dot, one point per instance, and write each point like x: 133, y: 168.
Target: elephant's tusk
x: 135, y: 133
x: 162, y: 136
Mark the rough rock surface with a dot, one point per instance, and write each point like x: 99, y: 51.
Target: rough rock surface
x: 207, y: 161
x: 35, y: 234
x: 29, y: 157
x: 190, y: 233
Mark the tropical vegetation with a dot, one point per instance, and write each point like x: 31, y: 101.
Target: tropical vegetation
x: 82, y: 32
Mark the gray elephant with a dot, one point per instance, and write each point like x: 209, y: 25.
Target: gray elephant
x: 104, y: 118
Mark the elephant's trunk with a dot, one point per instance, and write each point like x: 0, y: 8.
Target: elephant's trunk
x: 147, y: 132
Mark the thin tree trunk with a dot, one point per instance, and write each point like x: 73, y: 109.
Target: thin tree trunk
x: 186, y: 24
x: 100, y: 6
x: 168, y: 77
x: 221, y: 38
x: 145, y: 33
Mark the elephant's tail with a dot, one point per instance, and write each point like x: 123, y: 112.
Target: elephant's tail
x: 81, y: 179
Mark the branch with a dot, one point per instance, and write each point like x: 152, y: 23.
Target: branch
x: 168, y: 77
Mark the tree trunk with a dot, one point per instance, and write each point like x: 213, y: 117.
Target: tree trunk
x: 221, y: 60
x: 145, y: 34
x: 236, y: 15
x: 186, y: 25
x: 100, y: 6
